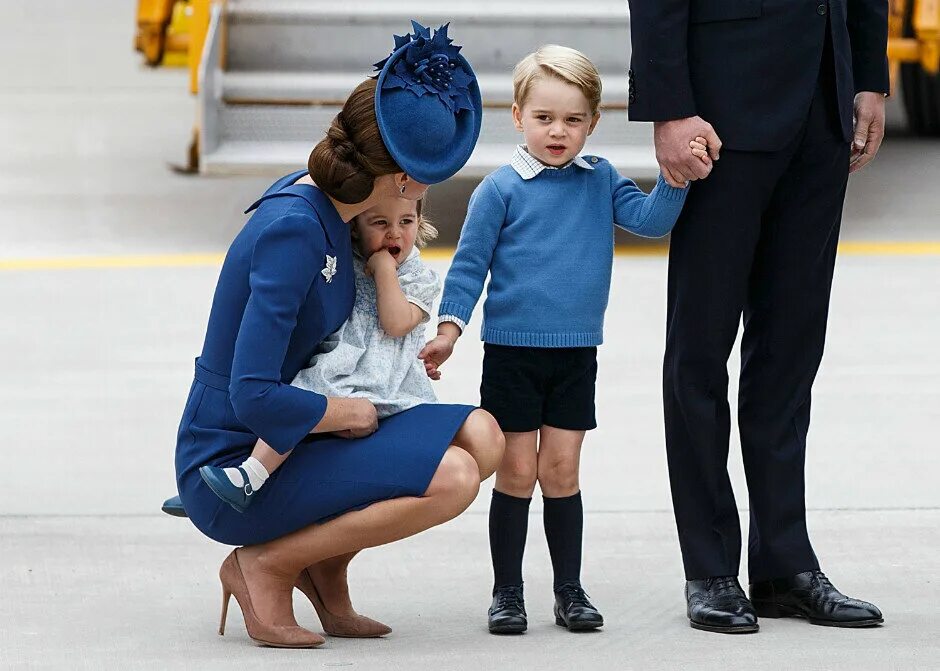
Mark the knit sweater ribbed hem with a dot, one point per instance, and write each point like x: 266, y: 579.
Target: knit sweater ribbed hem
x: 496, y: 336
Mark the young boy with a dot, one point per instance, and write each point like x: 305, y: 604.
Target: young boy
x: 542, y: 228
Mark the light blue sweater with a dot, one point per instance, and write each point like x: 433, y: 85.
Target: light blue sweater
x: 548, y: 244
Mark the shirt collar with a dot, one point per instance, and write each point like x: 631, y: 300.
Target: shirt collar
x: 528, y: 166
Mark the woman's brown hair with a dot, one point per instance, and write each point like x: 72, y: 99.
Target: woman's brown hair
x: 346, y: 162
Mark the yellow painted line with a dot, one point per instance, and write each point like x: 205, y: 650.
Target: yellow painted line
x: 123, y: 261
x: 859, y: 248
x: 862, y: 248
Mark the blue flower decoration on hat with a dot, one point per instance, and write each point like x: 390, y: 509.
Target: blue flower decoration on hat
x: 428, y: 105
x: 430, y: 66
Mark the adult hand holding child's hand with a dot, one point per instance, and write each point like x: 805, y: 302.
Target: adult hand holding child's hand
x: 676, y: 162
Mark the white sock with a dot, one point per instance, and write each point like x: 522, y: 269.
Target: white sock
x: 257, y: 474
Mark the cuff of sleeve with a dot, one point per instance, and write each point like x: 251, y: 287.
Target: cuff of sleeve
x: 281, y: 416
x: 667, y: 192
x: 872, y: 78
x: 461, y: 324
x: 455, y: 310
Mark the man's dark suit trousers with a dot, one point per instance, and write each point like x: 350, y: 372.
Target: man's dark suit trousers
x: 756, y: 238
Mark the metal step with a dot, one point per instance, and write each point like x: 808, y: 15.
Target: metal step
x: 313, y: 87
x: 319, y: 35
x: 268, y: 138
x: 290, y: 63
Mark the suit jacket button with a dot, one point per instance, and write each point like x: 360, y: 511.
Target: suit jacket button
x: 821, y: 10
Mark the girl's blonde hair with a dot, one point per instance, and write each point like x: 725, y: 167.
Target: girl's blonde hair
x: 426, y: 230
x: 565, y: 63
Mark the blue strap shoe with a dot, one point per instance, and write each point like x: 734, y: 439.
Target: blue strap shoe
x: 237, y: 497
x: 173, y: 506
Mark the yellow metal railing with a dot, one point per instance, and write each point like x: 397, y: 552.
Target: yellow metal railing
x: 172, y: 33
x: 924, y: 45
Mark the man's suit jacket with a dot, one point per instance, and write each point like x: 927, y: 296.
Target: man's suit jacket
x: 750, y: 67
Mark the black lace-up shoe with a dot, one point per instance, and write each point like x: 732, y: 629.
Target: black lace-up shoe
x: 573, y: 610
x: 719, y: 605
x: 812, y: 596
x: 507, y: 612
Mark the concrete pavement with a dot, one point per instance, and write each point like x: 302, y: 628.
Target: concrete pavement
x: 95, y: 364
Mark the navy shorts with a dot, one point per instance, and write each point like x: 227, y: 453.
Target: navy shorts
x: 527, y: 387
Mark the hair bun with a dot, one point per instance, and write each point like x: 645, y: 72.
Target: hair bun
x: 345, y: 163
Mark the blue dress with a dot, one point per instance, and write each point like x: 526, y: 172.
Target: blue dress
x: 277, y: 298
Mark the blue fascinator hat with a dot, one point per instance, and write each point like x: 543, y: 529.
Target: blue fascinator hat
x: 428, y: 105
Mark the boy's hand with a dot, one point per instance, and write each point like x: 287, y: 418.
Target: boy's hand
x: 379, y: 261
x: 435, y: 353
x: 699, y: 147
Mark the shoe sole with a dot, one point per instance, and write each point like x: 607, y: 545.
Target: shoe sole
x: 210, y: 483
x: 578, y: 626
x: 508, y: 628
x: 175, y: 511
x: 267, y: 644
x: 776, y: 611
x: 744, y: 629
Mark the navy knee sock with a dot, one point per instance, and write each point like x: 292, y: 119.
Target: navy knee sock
x: 509, y: 521
x: 564, y: 523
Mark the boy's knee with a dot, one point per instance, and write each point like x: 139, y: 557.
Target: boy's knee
x: 517, y: 477
x: 558, y: 478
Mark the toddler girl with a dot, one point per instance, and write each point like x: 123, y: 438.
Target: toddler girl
x: 374, y: 354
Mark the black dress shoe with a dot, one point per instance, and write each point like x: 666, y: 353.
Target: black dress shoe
x: 573, y: 610
x: 811, y: 595
x: 507, y: 612
x: 719, y: 605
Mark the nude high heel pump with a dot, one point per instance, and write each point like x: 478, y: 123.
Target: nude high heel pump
x: 343, y: 626
x: 276, y: 636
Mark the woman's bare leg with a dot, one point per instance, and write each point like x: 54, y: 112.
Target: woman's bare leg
x: 330, y: 577
x: 271, y: 568
x: 482, y: 438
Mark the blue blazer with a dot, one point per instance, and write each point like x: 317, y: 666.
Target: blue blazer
x: 273, y: 306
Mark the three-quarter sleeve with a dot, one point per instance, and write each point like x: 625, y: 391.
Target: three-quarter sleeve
x: 284, y: 265
x: 649, y: 216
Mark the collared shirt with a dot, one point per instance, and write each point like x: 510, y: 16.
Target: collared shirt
x: 528, y: 167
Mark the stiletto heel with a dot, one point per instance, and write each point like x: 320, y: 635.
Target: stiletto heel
x: 276, y: 636
x: 343, y: 626
x: 226, y: 595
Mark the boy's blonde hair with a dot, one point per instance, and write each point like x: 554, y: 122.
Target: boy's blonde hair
x: 565, y: 63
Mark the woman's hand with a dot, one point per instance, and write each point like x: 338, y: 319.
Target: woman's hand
x: 348, y: 418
